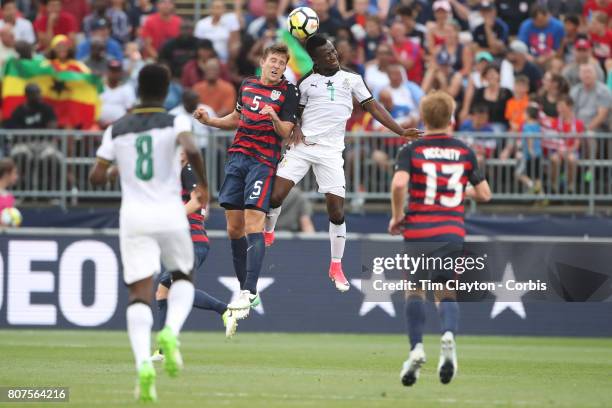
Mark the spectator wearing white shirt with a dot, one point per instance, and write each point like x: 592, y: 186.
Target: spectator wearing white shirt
x: 191, y: 102
x: 222, y: 29
x: 118, y: 98
x: 22, y: 28
x: 269, y: 21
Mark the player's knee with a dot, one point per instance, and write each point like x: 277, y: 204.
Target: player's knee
x: 276, y: 200
x: 178, y: 275
x: 235, y: 231
x: 336, y: 215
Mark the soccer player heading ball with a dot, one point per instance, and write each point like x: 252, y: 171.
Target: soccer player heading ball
x: 326, y: 103
x: 433, y: 172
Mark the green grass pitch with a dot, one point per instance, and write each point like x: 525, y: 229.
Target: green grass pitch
x: 314, y: 370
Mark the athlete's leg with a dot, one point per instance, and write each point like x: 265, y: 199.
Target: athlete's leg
x: 161, y: 298
x: 281, y: 189
x: 237, y: 236
x: 415, y: 322
x: 337, y: 226
x: 203, y: 300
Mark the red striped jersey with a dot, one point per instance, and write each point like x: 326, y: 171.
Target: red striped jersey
x: 255, y: 135
x: 440, y: 167
x: 196, y: 219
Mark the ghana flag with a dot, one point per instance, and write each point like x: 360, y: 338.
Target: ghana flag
x: 299, y: 60
x: 69, y: 88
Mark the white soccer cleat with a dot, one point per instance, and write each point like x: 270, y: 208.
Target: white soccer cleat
x: 241, y: 306
x: 230, y: 322
x: 412, y: 366
x: 447, y: 367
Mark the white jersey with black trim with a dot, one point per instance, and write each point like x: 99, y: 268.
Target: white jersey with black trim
x: 145, y: 148
x: 328, y: 105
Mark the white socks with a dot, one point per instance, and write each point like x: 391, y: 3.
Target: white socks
x: 180, y: 303
x: 271, y: 219
x: 139, y: 324
x: 337, y: 237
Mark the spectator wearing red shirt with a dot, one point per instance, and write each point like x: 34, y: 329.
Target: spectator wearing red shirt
x: 160, y: 27
x: 54, y: 22
x: 407, y: 52
x: 591, y: 6
x: 78, y: 8
x: 600, y: 36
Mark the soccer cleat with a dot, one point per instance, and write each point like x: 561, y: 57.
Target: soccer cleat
x: 230, y: 322
x: 447, y: 367
x: 242, y: 305
x: 145, y: 388
x: 412, y: 366
x: 168, y: 342
x: 255, y: 300
x: 268, y: 238
x: 337, y: 276
x: 157, y: 355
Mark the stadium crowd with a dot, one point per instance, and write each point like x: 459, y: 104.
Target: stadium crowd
x: 511, y: 65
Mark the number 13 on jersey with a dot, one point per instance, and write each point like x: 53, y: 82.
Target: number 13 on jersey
x: 452, y: 173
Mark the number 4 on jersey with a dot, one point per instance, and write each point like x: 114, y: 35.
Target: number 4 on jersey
x: 144, y: 158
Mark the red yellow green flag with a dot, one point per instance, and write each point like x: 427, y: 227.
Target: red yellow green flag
x: 299, y: 60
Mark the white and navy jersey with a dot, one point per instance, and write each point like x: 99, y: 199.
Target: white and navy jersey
x: 144, y: 146
x: 328, y: 104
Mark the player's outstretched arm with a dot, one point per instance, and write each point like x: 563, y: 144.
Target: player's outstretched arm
x: 399, y: 189
x: 281, y: 127
x: 194, y: 157
x: 481, y: 192
x: 228, y: 122
x: 380, y: 114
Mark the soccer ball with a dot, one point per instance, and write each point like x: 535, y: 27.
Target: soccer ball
x: 302, y: 22
x: 11, y: 217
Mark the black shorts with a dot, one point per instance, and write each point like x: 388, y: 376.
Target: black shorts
x: 438, y: 260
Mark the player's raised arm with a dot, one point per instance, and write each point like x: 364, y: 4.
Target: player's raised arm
x: 228, y: 122
x: 194, y: 157
x: 380, y: 114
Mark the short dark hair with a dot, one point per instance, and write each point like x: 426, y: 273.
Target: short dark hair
x: 480, y: 108
x: 5, y: 2
x: 566, y: 99
x: 537, y: 10
x: 153, y: 82
x: 315, y: 42
x: 405, y: 11
x: 276, y: 48
x: 533, y: 111
x: 7, y: 165
x: 572, y: 18
x: 522, y: 79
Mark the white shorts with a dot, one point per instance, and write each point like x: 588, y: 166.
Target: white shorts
x: 327, y: 166
x: 141, y: 253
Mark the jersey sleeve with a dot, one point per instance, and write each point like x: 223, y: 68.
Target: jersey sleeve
x: 288, y: 112
x: 181, y: 124
x: 475, y: 175
x: 361, y: 92
x: 404, y: 156
x: 239, y: 97
x: 106, y: 151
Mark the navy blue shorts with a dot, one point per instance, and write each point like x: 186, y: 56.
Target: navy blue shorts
x: 439, y: 258
x: 247, y: 184
x: 200, y: 252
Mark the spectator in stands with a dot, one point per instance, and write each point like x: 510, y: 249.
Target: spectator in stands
x: 513, y: 12
x: 78, y: 8
x: 414, y: 30
x: 601, y: 37
x: 177, y: 51
x: 374, y: 36
x: 553, y: 87
x: 516, y: 63
x: 492, y: 34
x: 222, y: 29
x: 461, y: 56
x: 479, y: 122
x: 475, y: 81
x: 220, y: 95
x: 132, y: 63
x: 347, y: 57
x: 120, y: 22
x: 517, y: 105
x: 297, y: 213
x: 376, y: 70
x: 118, y: 98
x: 21, y: 27
x: 54, y: 22
x: 270, y: 20
x: 175, y: 93
x: 592, y: 100
x: 571, y: 25
x: 494, y: 97
x: 406, y: 52
x: 193, y: 70
x: 191, y: 102
x: 583, y: 55
x: 97, y: 60
x: 100, y: 29
x: 592, y: 6
x: 328, y: 24
x: 33, y: 113
x: 564, y: 7
x: 542, y: 33
x: 437, y: 29
x: 355, y: 19
x: 530, y: 162
x: 160, y: 27
x: 566, y: 150
x: 441, y: 76
x: 7, y: 44
x: 8, y: 178
x: 137, y: 15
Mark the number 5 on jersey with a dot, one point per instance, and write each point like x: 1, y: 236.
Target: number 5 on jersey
x: 144, y: 157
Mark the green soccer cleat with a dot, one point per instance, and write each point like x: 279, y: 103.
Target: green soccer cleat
x: 145, y: 389
x: 255, y: 300
x: 168, y: 342
x: 230, y: 322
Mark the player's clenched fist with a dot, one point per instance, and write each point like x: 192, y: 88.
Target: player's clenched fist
x: 269, y: 111
x: 201, y: 115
